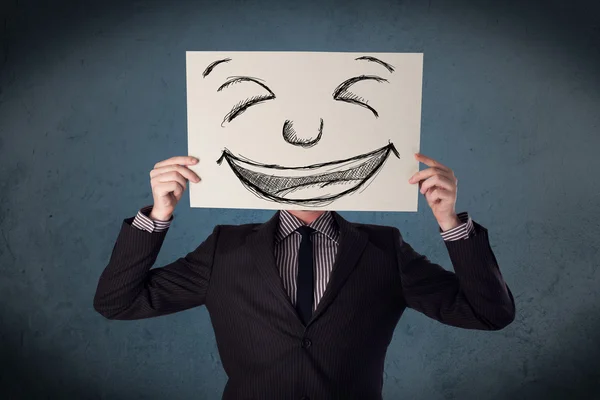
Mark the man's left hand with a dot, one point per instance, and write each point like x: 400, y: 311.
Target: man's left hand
x: 439, y: 185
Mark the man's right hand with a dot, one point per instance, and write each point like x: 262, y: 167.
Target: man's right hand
x: 168, y: 180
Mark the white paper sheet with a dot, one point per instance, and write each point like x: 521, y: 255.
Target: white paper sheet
x: 304, y: 130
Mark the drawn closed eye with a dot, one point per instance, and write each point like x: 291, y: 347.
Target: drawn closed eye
x: 243, y: 105
x: 342, y: 92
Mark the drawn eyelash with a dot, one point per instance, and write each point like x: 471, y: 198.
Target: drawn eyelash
x: 243, y: 105
x: 341, y: 93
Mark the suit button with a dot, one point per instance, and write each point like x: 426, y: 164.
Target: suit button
x: 306, y: 343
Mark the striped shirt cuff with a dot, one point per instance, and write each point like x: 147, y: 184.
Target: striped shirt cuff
x: 462, y: 231
x: 144, y: 222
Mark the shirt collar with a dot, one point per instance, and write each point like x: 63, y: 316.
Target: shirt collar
x: 325, y: 224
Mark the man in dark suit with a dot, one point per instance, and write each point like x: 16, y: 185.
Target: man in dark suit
x: 305, y: 305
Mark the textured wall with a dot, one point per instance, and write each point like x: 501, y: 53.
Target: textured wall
x: 91, y: 96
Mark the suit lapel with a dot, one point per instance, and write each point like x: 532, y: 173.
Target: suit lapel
x: 352, y: 245
x: 262, y: 246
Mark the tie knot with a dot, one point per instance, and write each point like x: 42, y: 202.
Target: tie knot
x: 305, y: 231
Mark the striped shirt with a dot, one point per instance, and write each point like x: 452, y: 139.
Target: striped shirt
x: 325, y: 245
x: 325, y: 241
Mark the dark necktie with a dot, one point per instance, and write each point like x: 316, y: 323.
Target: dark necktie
x: 304, y: 283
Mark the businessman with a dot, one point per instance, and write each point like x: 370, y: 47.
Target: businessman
x: 304, y: 306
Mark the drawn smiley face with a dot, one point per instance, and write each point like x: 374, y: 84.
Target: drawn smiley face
x: 314, y: 184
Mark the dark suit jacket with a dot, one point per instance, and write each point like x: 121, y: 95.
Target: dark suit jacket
x: 265, y: 349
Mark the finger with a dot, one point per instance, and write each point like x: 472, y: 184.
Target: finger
x: 167, y: 177
x: 178, y: 191
x: 183, y: 170
x: 429, y: 172
x: 439, y: 181
x: 171, y: 176
x: 430, y: 162
x: 436, y: 194
x: 162, y: 189
x: 182, y: 160
x: 426, y: 173
x: 436, y: 181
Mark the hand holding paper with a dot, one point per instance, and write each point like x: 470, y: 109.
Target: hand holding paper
x: 168, y: 180
x: 439, y: 185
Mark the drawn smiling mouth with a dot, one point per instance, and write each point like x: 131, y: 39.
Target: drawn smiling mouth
x: 312, y: 185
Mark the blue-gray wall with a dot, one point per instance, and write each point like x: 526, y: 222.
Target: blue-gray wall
x: 93, y: 94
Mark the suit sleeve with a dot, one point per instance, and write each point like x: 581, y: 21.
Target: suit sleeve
x: 129, y: 288
x: 475, y: 296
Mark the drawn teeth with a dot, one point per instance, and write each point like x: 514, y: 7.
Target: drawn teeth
x: 317, y: 184
x: 342, y: 174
